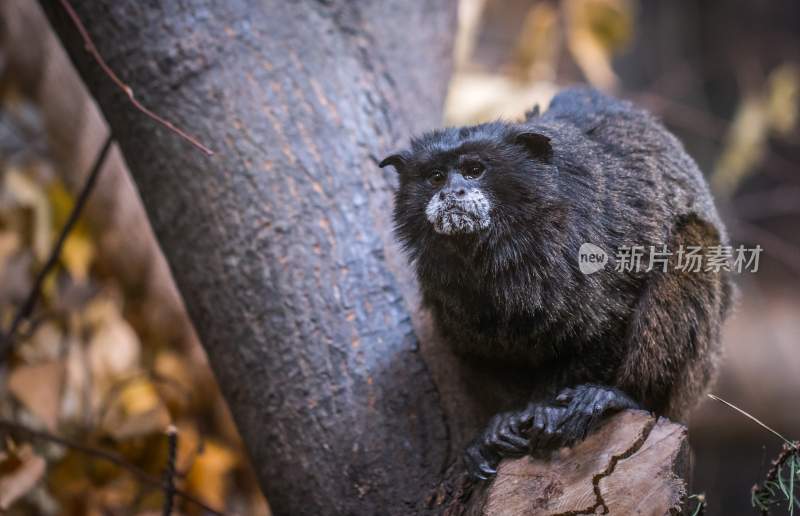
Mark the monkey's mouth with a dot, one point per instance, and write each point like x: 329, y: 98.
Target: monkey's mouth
x: 454, y: 215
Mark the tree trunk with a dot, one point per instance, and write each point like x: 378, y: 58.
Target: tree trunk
x: 281, y: 243
x: 278, y: 242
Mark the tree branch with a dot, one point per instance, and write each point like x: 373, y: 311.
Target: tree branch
x: 92, y: 49
x: 169, y: 471
x: 26, y: 308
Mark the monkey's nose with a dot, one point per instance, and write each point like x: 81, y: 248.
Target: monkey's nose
x: 457, y: 192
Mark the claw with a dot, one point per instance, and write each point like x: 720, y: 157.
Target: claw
x: 487, y: 471
x: 505, y: 436
x: 478, y: 464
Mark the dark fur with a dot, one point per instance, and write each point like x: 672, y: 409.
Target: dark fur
x: 610, y: 175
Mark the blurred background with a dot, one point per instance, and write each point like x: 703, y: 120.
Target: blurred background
x: 110, y: 360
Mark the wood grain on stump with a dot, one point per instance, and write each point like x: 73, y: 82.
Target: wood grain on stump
x: 634, y: 464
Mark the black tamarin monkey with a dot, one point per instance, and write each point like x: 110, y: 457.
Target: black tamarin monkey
x: 493, y: 217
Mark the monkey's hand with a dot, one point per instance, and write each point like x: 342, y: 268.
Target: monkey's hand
x: 585, y: 405
x: 575, y: 413
x: 511, y: 434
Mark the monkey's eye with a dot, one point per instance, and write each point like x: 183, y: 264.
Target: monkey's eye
x: 437, y: 178
x: 473, y: 170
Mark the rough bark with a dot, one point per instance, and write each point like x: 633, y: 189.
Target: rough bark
x: 281, y: 245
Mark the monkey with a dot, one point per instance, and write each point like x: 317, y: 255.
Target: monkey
x: 493, y: 216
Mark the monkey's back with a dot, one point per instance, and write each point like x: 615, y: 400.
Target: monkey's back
x: 642, y: 173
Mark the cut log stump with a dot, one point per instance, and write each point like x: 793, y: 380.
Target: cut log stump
x: 633, y: 464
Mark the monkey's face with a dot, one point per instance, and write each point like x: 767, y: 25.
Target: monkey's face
x: 448, y: 192
x: 457, y: 202
x: 462, y: 184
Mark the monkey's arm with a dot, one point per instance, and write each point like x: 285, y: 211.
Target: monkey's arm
x: 673, y: 338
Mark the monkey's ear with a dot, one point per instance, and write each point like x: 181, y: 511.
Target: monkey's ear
x: 398, y: 161
x: 537, y: 144
x: 533, y: 112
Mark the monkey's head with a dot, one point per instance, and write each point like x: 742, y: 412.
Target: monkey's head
x: 462, y: 185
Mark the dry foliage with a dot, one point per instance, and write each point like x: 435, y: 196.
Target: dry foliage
x: 85, y: 368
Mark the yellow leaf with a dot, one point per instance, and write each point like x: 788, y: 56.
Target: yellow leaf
x: 79, y: 250
x: 538, y: 46
x: 189, y: 445
x: 772, y: 109
x: 783, y: 90
x: 38, y: 388
x: 744, y: 146
x: 137, y: 410
x: 608, y: 22
x: 139, y: 397
x: 77, y: 256
x: 209, y: 475
x: 177, y: 388
x: 596, y: 30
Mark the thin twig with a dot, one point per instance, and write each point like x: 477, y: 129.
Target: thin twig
x: 751, y: 417
x: 169, y: 471
x: 26, y: 309
x: 108, y: 456
x: 92, y: 49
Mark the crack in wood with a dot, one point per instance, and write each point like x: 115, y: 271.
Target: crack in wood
x: 612, y: 464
